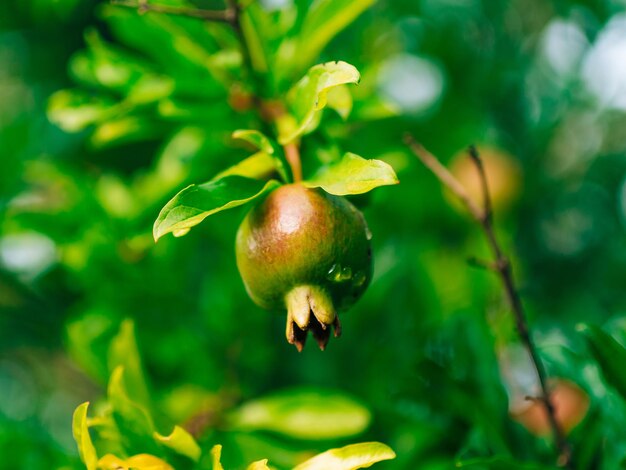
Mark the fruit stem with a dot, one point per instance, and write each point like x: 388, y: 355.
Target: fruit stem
x: 292, y: 154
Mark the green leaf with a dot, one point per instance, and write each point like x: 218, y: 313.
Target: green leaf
x: 304, y: 414
x: 256, y: 138
x: 353, y: 175
x: 350, y: 457
x: 123, y: 352
x: 196, y: 202
x: 258, y: 166
x: 73, y: 110
x: 104, y: 65
x: 309, y: 96
x: 80, y: 430
x: 500, y: 463
x: 181, y: 442
x: 609, y: 354
x: 265, y: 145
x: 323, y: 21
x: 254, y: 27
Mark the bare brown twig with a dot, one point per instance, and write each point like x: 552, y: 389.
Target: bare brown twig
x: 502, y: 266
x: 224, y: 16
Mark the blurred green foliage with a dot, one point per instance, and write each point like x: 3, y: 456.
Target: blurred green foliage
x: 105, y: 114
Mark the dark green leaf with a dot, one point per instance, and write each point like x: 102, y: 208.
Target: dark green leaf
x: 501, y: 463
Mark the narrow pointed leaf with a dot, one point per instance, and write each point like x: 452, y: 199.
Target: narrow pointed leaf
x: 259, y: 465
x: 181, y: 442
x: 350, y: 457
x: 353, y: 175
x: 216, y: 456
x: 323, y: 21
x: 196, y: 202
x: 609, y: 354
x: 80, y: 430
x: 123, y: 351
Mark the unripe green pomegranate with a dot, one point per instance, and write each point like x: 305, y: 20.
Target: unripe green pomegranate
x: 307, y: 252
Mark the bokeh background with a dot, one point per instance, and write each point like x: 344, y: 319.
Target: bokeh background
x: 539, y: 85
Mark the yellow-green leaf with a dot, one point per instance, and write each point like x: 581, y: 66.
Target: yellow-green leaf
x: 182, y: 442
x: 353, y: 175
x: 350, y: 457
x: 258, y: 465
x: 216, y: 456
x: 309, y: 96
x: 258, y: 166
x: 123, y: 351
x: 80, y: 430
x: 136, y: 462
x: 304, y: 414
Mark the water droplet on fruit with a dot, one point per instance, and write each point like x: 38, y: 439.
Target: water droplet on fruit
x: 346, y: 273
x: 334, y: 273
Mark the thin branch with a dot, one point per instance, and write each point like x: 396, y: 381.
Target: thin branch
x: 444, y: 175
x: 502, y: 266
x: 222, y: 16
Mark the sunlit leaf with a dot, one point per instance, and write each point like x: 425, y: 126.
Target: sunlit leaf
x: 123, y: 352
x: 258, y: 465
x: 256, y: 138
x: 196, y: 202
x: 136, y: 462
x: 309, y: 96
x: 339, y: 98
x: 80, y: 430
x: 304, y: 414
x: 182, y: 442
x: 123, y: 129
x: 73, y: 110
x: 150, y: 88
x: 350, y: 457
x: 216, y: 456
x: 353, y: 175
x: 609, y: 354
x: 258, y: 166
